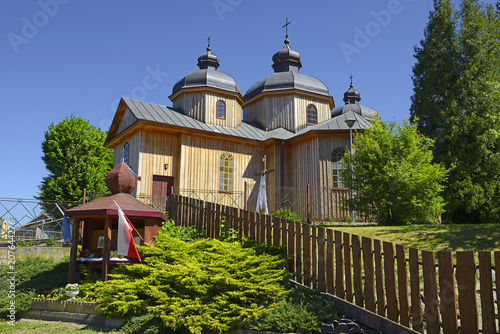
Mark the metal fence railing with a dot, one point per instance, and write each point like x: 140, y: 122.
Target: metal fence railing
x: 32, y: 219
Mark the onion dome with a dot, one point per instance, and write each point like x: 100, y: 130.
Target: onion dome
x: 121, y: 179
x: 286, y: 65
x: 351, y: 99
x: 207, y: 76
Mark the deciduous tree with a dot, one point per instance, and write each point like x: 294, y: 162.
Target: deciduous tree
x: 75, y: 158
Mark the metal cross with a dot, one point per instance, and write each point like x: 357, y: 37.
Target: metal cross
x: 351, y: 79
x: 286, y: 25
x: 209, y: 41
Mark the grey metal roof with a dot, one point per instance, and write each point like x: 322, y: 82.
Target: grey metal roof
x: 288, y: 80
x: 354, y: 107
x: 208, y: 77
x: 164, y: 115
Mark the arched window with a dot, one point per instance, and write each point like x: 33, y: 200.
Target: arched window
x: 337, y: 167
x: 226, y: 169
x: 312, y: 115
x: 125, y: 153
x: 221, y: 109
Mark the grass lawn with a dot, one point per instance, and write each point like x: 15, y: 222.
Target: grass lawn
x: 483, y: 237
x: 27, y: 326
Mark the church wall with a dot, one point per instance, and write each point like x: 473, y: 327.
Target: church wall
x: 301, y: 104
x: 203, y: 106
x: 199, y: 167
x: 157, y: 149
x: 287, y: 111
x: 271, y: 112
x: 134, y: 142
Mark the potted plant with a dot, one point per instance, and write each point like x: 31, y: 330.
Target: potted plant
x: 72, y: 290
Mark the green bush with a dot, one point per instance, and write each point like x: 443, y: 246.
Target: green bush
x: 147, y: 324
x: 287, y: 214
x: 303, y: 311
x: 201, y: 286
x: 187, y: 234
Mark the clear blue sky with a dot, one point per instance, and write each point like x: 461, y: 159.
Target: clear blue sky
x: 64, y: 57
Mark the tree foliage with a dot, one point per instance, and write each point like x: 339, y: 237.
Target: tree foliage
x: 75, y: 158
x: 456, y: 102
x: 394, y: 179
x: 205, y: 286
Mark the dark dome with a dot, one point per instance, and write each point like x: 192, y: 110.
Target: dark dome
x: 351, y: 99
x: 357, y: 108
x: 207, y: 76
x: 287, y: 80
x: 286, y: 65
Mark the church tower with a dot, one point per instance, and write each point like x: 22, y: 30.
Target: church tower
x: 208, y: 95
x: 287, y: 98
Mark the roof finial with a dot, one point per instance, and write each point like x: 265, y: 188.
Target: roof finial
x: 351, y: 80
x: 286, y: 26
x: 208, y: 47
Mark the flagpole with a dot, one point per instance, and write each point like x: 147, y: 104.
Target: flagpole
x: 130, y: 223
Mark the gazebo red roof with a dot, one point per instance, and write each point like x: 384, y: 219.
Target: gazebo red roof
x: 105, y: 206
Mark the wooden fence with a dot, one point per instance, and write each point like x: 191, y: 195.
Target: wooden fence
x: 456, y: 295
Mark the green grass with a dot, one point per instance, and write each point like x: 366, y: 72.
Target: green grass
x: 479, y: 237
x: 27, y: 326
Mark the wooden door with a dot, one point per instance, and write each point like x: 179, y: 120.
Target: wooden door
x: 162, y: 189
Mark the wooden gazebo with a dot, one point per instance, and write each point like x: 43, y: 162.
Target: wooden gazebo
x: 101, y: 219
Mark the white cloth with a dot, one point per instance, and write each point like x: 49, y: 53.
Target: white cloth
x: 262, y: 196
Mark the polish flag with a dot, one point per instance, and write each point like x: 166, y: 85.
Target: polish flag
x: 126, y: 246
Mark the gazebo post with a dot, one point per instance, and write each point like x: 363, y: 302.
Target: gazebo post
x: 107, y: 246
x: 74, y: 250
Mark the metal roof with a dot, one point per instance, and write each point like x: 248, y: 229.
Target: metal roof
x: 165, y: 115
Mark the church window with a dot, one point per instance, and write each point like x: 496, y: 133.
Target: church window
x: 221, y: 109
x: 226, y: 172
x: 338, y: 166
x: 312, y: 115
x: 125, y: 153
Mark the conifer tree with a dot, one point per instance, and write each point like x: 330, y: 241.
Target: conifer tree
x: 456, y: 103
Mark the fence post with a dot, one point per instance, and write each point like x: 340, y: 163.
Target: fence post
x: 379, y: 279
x: 369, y: 291
x: 390, y: 282
x: 497, y: 279
x: 339, y: 266
x: 306, y: 251
x: 347, y: 267
x: 330, y: 273
x: 321, y: 259
x: 402, y: 286
x: 466, y: 280
x: 298, y: 252
x: 416, y: 311
x: 486, y: 288
x: 430, y: 292
x: 357, y: 274
x: 308, y: 203
x: 447, y: 294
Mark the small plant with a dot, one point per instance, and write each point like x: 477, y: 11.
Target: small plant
x: 25, y: 243
x: 52, y: 242
x: 91, y: 253
x: 187, y: 234
x: 288, y: 214
x: 227, y: 232
x: 72, y: 287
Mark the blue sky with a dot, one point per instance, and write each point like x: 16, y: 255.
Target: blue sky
x: 64, y: 57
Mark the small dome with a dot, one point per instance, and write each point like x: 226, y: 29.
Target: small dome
x: 351, y: 99
x: 207, y: 76
x: 121, y: 179
x: 286, y: 59
x: 286, y: 65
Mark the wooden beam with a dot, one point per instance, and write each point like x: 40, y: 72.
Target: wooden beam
x: 74, y: 250
x: 106, y: 250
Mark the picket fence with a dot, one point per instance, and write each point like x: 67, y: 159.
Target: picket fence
x: 405, y: 286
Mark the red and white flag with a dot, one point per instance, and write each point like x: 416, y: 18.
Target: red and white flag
x: 126, y: 246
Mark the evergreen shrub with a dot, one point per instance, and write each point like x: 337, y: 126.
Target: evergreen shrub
x: 203, y: 286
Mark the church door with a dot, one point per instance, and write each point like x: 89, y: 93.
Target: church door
x: 162, y: 189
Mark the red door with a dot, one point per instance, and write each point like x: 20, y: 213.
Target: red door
x: 162, y: 189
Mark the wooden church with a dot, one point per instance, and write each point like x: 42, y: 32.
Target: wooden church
x: 211, y: 142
